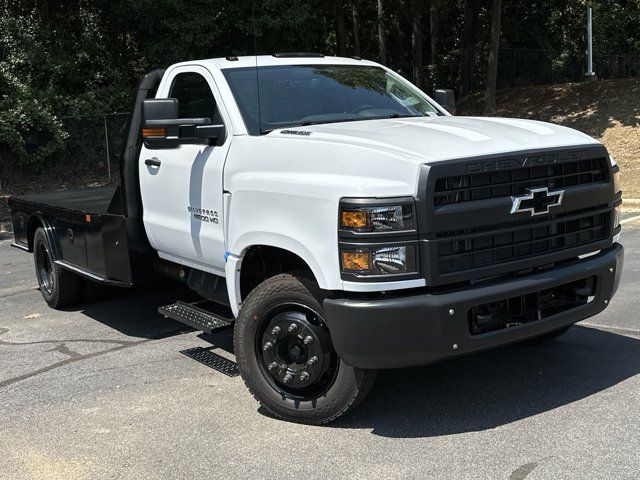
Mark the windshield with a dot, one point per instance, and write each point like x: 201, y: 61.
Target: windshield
x: 297, y: 95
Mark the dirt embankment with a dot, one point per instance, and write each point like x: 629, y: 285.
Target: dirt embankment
x: 608, y: 110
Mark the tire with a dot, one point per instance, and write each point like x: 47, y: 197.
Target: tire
x: 547, y: 337
x: 294, y: 298
x: 59, y: 287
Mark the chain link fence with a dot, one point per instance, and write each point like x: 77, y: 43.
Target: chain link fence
x: 89, y: 157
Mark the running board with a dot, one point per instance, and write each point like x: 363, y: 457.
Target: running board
x: 196, y: 317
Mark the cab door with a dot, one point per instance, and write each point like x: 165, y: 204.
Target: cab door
x: 181, y: 187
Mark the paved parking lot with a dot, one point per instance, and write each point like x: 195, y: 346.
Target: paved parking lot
x: 102, y: 391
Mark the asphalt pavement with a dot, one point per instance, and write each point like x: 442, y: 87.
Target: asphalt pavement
x: 103, y: 391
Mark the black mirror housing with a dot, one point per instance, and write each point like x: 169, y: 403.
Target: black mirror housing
x: 160, y: 109
x: 446, y: 99
x: 161, y: 127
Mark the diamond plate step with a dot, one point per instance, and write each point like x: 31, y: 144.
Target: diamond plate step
x: 196, y: 317
x: 213, y: 360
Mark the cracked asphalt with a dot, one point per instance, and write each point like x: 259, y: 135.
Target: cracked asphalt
x: 102, y: 391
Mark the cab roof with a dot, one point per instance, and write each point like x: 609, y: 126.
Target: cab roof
x: 275, y: 60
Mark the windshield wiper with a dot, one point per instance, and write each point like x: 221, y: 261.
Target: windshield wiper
x: 342, y: 120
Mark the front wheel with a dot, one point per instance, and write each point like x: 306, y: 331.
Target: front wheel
x: 286, y: 357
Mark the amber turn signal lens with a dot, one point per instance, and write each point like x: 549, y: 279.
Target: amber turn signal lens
x: 356, y: 261
x: 354, y: 219
x: 154, y: 132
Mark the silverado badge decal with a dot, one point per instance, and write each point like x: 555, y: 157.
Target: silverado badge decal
x: 203, y: 215
x: 538, y: 201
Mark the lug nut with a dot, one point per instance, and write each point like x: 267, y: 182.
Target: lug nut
x: 293, y: 327
x: 304, y: 376
x: 452, y: 312
x: 272, y: 365
x: 267, y: 346
x: 276, y: 331
x: 308, y: 340
x: 312, y: 361
x: 287, y: 378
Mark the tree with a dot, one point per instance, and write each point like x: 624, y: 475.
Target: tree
x: 357, y: 49
x: 466, y: 54
x: 492, y: 64
x: 341, y: 33
x: 416, y: 42
x: 434, y: 24
x: 382, y: 34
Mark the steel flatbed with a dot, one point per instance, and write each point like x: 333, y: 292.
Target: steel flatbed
x: 85, y: 226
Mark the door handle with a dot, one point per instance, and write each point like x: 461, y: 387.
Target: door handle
x: 153, y: 162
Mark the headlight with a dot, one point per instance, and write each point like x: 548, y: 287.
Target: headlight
x: 617, y: 185
x: 379, y: 260
x: 380, y: 219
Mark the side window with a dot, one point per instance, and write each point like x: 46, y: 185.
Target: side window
x: 194, y: 96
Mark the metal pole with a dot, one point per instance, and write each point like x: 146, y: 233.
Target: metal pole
x: 106, y: 143
x: 590, y: 75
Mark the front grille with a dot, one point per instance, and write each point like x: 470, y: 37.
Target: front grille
x: 489, y: 245
x: 530, y: 307
x: 482, y: 186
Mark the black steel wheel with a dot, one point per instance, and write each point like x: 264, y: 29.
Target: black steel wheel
x: 286, y: 357
x: 44, y: 268
x: 59, y: 287
x: 295, y: 351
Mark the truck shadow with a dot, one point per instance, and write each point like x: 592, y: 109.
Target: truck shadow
x: 495, y: 388
x: 473, y: 393
x: 134, y: 312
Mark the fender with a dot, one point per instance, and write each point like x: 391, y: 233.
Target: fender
x: 233, y: 266
x: 38, y: 219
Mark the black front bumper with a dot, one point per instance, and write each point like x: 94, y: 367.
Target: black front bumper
x: 418, y: 329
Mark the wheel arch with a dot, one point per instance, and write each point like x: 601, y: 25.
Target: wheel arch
x: 264, y: 259
x: 39, y: 220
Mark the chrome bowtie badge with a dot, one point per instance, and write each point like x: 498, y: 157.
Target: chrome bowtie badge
x: 538, y: 201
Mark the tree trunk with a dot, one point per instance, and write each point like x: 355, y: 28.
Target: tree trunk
x: 382, y: 37
x: 416, y: 41
x: 466, y: 56
x: 341, y: 34
x: 357, y: 49
x: 492, y: 66
x: 434, y: 32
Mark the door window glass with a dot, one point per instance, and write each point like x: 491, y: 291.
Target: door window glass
x: 195, y: 99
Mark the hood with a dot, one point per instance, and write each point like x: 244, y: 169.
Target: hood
x: 442, y: 138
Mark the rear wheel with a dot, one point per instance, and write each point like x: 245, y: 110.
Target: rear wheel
x: 59, y: 287
x: 286, y: 356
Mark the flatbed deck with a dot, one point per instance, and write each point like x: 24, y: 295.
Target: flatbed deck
x: 86, y: 234
x: 91, y: 200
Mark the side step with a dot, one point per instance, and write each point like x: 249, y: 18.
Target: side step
x: 193, y: 315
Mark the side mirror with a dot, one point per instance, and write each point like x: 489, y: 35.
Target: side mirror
x: 161, y: 127
x: 446, y: 99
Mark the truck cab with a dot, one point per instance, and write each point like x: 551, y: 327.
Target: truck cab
x: 341, y: 220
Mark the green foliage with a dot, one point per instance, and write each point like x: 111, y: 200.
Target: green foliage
x: 83, y: 57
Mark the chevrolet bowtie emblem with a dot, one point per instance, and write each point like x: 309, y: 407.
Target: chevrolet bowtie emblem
x: 538, y: 201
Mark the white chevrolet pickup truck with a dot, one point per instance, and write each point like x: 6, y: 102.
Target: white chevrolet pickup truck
x: 340, y: 220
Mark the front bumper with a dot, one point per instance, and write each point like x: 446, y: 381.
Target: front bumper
x: 418, y: 329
